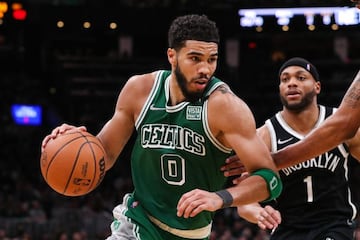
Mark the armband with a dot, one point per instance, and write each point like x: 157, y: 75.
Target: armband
x: 272, y: 180
x: 226, y: 197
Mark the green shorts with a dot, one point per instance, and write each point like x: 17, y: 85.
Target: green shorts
x: 138, y: 226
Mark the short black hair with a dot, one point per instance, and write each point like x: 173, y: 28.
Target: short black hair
x: 192, y: 27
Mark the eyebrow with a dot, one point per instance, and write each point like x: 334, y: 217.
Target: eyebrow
x: 201, y: 54
x: 297, y: 72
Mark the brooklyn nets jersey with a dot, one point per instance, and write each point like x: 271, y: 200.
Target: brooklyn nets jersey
x: 174, y: 153
x: 317, y: 190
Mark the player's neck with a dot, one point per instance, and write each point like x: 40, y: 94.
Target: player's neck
x: 176, y: 96
x: 303, y: 121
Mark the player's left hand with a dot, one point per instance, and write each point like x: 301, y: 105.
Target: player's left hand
x: 196, y: 201
x: 233, y: 167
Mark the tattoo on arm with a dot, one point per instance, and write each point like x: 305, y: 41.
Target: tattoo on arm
x: 352, y: 96
x: 225, y: 89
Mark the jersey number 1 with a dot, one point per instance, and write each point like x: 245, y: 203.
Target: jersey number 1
x: 309, y: 188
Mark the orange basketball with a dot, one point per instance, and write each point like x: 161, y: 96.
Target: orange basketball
x: 73, y: 163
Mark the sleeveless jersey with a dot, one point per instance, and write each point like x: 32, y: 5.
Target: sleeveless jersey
x: 175, y: 152
x: 316, y: 191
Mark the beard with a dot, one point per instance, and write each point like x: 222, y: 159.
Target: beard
x: 182, y: 82
x: 304, y: 103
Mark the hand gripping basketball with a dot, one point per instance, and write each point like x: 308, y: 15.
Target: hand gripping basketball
x: 73, y: 163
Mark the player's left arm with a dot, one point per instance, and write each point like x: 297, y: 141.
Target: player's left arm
x: 233, y: 124
x: 236, y: 128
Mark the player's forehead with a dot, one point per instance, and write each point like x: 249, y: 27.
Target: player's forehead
x: 290, y: 70
x: 201, y: 47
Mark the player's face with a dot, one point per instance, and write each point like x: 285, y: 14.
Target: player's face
x: 194, y: 65
x: 298, y: 88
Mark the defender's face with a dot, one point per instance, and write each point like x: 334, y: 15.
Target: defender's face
x: 193, y: 66
x: 297, y: 88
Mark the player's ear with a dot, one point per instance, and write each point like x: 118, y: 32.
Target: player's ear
x: 171, y: 53
x: 317, y: 87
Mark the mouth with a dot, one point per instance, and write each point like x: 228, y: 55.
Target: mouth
x: 201, y: 83
x: 292, y: 94
x: 202, y: 80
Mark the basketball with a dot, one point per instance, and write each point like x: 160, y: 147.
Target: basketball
x: 73, y: 163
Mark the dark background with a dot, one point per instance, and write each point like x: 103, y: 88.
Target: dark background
x: 75, y: 74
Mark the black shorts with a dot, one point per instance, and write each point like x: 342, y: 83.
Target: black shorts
x: 341, y: 230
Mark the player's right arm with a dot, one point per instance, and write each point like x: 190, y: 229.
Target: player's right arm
x: 117, y: 131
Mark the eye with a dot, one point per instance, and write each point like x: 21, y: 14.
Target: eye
x: 284, y: 79
x: 301, y: 78
x: 213, y: 59
x: 195, y: 58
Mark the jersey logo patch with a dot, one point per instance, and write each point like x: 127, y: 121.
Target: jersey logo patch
x: 193, y: 112
x: 284, y: 141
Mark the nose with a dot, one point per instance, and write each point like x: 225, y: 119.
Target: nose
x: 292, y: 82
x: 205, y: 68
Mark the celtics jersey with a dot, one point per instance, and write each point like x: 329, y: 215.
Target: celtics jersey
x: 175, y: 152
x: 315, y: 192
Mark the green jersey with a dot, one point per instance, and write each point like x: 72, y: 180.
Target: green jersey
x: 175, y: 152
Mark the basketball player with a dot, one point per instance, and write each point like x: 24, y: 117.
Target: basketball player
x: 340, y: 127
x: 316, y: 201
x: 187, y: 124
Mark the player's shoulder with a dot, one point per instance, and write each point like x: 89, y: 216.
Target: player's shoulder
x: 223, y: 100
x: 144, y: 78
x: 141, y: 82
x: 224, y: 97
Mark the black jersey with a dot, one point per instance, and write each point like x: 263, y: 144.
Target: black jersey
x: 315, y: 192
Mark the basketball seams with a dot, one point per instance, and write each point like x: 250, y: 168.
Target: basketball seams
x: 94, y: 155
x: 59, y: 150
x: 69, y: 170
x: 74, y: 166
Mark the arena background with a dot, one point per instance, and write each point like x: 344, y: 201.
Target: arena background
x: 71, y: 57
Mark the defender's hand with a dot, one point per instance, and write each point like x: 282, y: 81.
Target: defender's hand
x: 233, y: 167
x: 269, y: 218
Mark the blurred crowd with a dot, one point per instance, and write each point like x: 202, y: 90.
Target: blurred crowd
x: 30, y: 210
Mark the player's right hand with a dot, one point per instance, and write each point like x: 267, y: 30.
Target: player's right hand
x: 61, y: 130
